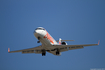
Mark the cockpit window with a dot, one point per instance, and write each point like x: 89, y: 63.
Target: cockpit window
x: 40, y: 29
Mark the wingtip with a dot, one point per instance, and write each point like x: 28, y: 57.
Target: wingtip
x: 8, y: 49
x: 98, y: 42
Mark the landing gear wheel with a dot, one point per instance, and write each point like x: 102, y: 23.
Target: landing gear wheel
x: 38, y: 38
x: 38, y: 41
x: 43, y: 54
x: 57, y: 52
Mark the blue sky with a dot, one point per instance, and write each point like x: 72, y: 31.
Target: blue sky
x: 79, y: 20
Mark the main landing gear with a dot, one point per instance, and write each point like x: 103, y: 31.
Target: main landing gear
x: 43, y: 52
x: 57, y: 52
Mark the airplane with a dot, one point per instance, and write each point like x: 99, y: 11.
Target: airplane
x: 49, y: 44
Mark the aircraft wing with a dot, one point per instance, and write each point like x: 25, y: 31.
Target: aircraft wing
x: 29, y: 50
x: 71, y: 47
x: 63, y: 48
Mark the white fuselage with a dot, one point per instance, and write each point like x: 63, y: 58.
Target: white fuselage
x: 44, y: 37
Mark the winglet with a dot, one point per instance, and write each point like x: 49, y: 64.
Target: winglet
x: 8, y: 49
x: 98, y: 42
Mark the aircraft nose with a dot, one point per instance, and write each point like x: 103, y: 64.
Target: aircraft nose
x: 36, y: 31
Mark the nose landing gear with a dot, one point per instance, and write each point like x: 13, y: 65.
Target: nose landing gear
x: 38, y: 39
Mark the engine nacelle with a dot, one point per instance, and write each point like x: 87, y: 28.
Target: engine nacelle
x: 64, y: 43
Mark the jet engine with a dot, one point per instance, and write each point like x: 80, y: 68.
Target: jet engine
x: 64, y: 43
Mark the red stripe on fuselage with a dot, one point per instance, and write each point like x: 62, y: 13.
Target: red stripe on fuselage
x: 47, y: 36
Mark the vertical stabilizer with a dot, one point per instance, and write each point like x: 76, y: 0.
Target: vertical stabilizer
x: 60, y: 41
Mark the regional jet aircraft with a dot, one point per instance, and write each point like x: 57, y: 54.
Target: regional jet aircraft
x: 49, y: 44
